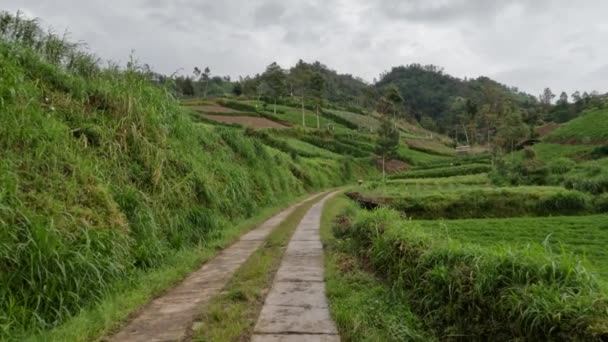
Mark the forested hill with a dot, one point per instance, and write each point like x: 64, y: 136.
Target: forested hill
x: 429, y: 93
x: 473, y: 111
x: 341, y: 89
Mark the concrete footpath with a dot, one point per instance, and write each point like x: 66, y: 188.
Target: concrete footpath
x: 296, y: 308
x: 170, y: 316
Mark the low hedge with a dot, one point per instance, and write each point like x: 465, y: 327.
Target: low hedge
x: 487, y: 203
x: 447, y: 171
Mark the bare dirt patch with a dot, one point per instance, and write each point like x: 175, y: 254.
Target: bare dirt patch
x: 248, y: 121
x: 392, y: 165
x: 214, y: 109
x: 547, y: 128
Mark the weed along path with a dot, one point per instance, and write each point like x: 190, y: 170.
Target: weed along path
x: 171, y: 316
x: 296, y: 307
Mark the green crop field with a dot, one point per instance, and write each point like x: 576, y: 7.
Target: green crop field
x: 585, y: 236
x: 430, y: 146
x: 363, y: 121
x: 305, y: 147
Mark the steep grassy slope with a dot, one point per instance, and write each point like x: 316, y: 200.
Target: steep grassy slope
x: 589, y: 128
x: 103, y: 173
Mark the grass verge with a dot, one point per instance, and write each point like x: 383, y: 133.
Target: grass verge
x: 362, y: 306
x: 231, y: 316
x: 128, y: 296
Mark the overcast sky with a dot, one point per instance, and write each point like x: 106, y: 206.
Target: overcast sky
x: 530, y: 44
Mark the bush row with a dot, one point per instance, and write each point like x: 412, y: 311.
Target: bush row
x: 488, y: 202
x: 590, y: 176
x: 446, y: 171
x: 335, y: 146
x: 338, y: 119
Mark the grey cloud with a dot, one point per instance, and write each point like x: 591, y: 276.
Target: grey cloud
x: 438, y: 10
x: 301, y: 37
x: 268, y: 14
x: 530, y: 44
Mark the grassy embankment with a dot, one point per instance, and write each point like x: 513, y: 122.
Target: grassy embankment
x: 362, y: 305
x: 104, y: 177
x: 481, y: 292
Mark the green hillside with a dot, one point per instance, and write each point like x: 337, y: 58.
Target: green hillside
x: 589, y: 128
x: 117, y: 182
x: 103, y: 175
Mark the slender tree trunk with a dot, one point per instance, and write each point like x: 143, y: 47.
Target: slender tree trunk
x: 318, y: 121
x: 303, y: 117
x: 466, y: 134
x: 488, y: 131
x: 275, y: 106
x: 383, y: 169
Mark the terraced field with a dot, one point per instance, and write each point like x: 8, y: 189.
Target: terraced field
x: 463, y: 251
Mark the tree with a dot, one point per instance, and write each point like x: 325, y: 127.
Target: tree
x: 300, y: 78
x: 428, y: 123
x: 196, y: 72
x: 511, y: 130
x: 393, y: 96
x: 576, y: 96
x: 465, y: 112
x: 275, y: 79
x: 264, y: 92
x: 563, y: 99
x: 237, y: 89
x: 387, y: 143
x: 317, y: 91
x: 205, y: 76
x: 188, y: 87
x: 547, y: 96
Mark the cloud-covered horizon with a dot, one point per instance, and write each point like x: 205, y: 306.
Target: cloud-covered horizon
x: 529, y: 44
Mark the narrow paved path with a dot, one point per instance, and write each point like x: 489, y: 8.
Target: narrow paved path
x: 170, y: 317
x: 296, y: 307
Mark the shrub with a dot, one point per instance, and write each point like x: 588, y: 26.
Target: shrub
x: 561, y: 166
x: 601, y: 203
x: 482, y: 293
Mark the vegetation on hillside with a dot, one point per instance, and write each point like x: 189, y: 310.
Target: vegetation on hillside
x: 103, y: 173
x: 482, y: 292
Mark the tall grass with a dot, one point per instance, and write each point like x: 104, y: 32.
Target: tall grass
x: 103, y: 173
x: 469, y: 292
